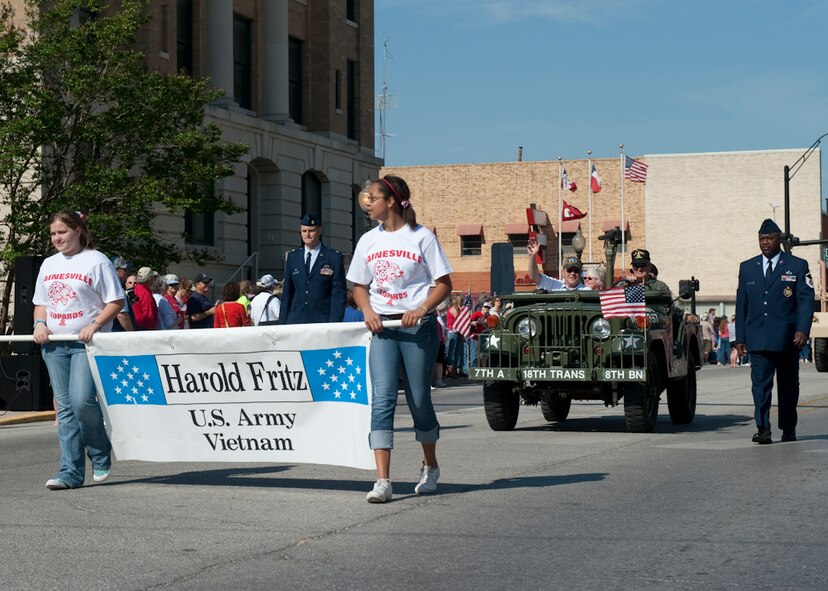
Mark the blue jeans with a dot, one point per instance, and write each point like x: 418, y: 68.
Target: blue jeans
x: 80, y: 421
x: 474, y: 345
x: 724, y: 351
x: 455, y: 351
x: 413, y: 350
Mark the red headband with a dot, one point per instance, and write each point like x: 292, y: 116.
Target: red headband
x: 403, y: 202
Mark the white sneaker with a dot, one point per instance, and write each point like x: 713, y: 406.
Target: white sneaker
x: 428, y: 480
x: 381, y: 493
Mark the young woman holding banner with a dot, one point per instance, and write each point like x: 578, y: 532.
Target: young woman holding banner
x: 393, y: 268
x: 77, y: 292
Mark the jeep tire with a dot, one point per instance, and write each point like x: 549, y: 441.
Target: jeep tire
x: 821, y: 354
x: 501, y: 405
x: 641, y: 400
x: 556, y: 409
x: 681, y: 396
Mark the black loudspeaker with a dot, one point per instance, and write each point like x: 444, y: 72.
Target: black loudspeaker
x: 503, y: 268
x: 25, y: 280
x: 24, y: 383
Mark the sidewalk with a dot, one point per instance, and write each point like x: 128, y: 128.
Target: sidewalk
x: 12, y: 417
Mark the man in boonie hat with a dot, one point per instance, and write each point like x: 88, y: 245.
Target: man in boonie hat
x: 265, y: 307
x: 144, y: 308
x: 314, y: 288
x: 571, y: 271
x: 774, y: 309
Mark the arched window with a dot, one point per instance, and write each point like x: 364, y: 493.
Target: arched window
x: 311, y: 193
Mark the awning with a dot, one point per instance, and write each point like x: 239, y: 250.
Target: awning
x: 470, y: 229
x: 610, y: 224
x: 568, y: 226
x: 519, y: 228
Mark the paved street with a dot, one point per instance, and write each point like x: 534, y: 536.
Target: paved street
x: 579, y: 505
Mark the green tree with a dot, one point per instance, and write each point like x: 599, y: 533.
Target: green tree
x: 85, y: 125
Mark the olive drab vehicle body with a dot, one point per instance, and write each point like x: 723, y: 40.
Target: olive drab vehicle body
x: 552, y: 348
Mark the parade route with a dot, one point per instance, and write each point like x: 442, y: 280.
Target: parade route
x: 577, y: 505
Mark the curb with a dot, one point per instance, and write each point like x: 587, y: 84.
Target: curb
x: 29, y: 417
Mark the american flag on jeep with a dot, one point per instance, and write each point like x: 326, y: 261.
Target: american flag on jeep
x: 620, y: 302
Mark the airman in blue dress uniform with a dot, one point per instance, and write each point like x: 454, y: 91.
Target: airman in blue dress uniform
x: 314, y: 288
x: 774, y: 309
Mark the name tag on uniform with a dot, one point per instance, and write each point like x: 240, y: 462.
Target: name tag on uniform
x: 789, y: 278
x: 326, y: 270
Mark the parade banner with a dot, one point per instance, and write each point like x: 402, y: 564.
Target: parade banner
x: 285, y: 393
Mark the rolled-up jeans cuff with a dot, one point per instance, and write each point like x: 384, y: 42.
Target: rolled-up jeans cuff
x: 430, y: 436
x: 381, y: 440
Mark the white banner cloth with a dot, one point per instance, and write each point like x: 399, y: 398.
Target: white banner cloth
x: 285, y: 393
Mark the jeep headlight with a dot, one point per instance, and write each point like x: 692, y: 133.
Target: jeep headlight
x: 526, y: 327
x: 600, y: 328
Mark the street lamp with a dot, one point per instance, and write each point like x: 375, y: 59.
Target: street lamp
x: 578, y: 243
x: 790, y: 171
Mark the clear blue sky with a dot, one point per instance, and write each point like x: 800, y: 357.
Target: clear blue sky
x: 475, y: 79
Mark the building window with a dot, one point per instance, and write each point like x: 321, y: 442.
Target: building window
x: 199, y: 227
x: 519, y: 242
x: 353, y: 105
x: 242, y: 62
x: 351, y: 10
x: 165, y: 24
x: 311, y: 194
x: 184, y: 36
x: 83, y: 15
x: 338, y: 90
x: 471, y: 245
x: 295, y: 80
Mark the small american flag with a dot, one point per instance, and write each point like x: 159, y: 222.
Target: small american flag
x: 462, y: 323
x: 620, y: 302
x: 634, y: 170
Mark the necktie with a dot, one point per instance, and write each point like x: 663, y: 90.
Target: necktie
x: 307, y: 264
x: 769, y: 269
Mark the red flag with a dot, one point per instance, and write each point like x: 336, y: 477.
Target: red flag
x: 566, y: 183
x: 570, y: 212
x: 595, y: 181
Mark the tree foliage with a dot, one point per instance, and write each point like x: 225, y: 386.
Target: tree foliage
x: 85, y: 125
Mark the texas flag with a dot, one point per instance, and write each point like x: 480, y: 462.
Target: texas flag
x: 570, y: 212
x: 566, y: 183
x: 595, y: 181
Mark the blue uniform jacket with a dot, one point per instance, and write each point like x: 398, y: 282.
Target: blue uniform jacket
x: 769, y: 312
x: 315, y: 297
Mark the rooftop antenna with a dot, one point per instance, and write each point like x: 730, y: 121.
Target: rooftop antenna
x: 385, y: 101
x: 774, y: 207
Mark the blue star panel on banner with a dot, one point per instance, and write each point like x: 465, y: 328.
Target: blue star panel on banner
x: 131, y: 379
x: 337, y: 375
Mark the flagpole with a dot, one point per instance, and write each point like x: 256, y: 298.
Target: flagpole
x: 560, y: 213
x: 623, y: 231
x: 589, y: 208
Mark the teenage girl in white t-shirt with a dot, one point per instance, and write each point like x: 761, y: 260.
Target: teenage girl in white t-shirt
x: 77, y: 292
x: 393, y: 269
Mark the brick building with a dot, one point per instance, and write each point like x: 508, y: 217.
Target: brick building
x: 697, y: 214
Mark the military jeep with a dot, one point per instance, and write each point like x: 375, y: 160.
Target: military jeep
x: 553, y: 348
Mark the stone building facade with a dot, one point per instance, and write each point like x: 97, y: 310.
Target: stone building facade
x: 298, y: 82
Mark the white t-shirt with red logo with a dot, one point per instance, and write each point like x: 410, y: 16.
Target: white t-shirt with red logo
x: 399, y: 267
x: 75, y: 289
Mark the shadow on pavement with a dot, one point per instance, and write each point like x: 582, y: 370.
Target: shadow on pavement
x: 257, y: 477
x: 617, y: 424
